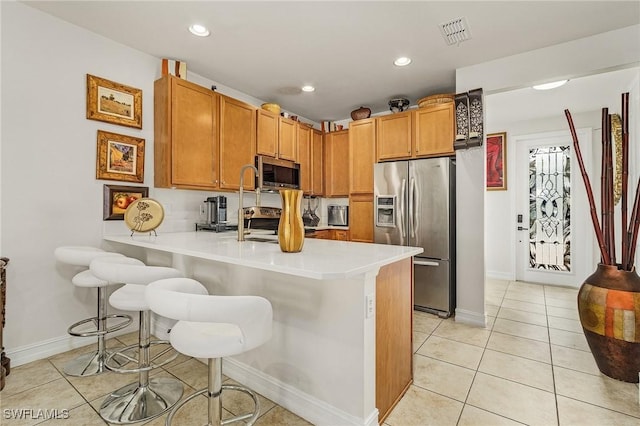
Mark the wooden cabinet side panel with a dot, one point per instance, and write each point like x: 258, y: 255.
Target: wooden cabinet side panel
x: 237, y: 142
x: 268, y: 124
x: 304, y: 157
x: 194, y: 155
x: 287, y: 140
x: 361, y: 218
x: 162, y: 133
x: 394, y: 136
x: 394, y: 345
x: 317, y: 163
x: 362, y: 156
x: 434, y: 130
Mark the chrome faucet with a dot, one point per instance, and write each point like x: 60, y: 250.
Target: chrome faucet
x: 240, y: 199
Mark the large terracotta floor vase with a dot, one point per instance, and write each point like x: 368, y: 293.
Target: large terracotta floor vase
x: 609, y: 308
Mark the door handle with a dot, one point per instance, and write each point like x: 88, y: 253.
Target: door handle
x: 402, y: 195
x: 520, y: 228
x: 425, y: 263
x: 412, y: 185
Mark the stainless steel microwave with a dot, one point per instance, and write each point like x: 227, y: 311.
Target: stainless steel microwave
x: 275, y: 174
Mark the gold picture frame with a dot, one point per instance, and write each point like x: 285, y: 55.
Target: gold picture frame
x: 120, y: 157
x: 116, y: 199
x: 113, y: 102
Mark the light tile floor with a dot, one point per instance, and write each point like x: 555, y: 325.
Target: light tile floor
x: 531, y: 365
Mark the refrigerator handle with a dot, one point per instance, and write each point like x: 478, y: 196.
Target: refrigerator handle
x: 425, y: 262
x: 412, y: 190
x: 402, y: 195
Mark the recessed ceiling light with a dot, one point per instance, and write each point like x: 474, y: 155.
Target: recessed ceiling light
x: 552, y: 85
x: 308, y: 88
x: 401, y: 62
x: 199, y: 30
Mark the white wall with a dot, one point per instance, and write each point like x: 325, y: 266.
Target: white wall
x: 611, y: 50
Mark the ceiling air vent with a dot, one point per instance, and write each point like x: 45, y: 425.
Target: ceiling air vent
x: 455, y: 31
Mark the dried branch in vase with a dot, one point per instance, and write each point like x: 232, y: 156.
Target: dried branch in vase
x: 604, y: 229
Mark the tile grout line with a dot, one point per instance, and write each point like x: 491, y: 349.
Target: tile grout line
x: 553, y: 370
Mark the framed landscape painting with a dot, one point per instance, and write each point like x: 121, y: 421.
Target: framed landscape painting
x: 497, y: 161
x: 120, y: 157
x: 113, y: 102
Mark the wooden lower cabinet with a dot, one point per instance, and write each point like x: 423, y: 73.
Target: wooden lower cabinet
x: 330, y: 234
x: 394, y: 334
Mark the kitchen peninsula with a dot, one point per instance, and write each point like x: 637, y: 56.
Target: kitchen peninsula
x: 341, y: 346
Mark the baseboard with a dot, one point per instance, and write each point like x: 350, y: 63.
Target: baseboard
x: 471, y: 318
x: 497, y: 275
x: 41, y: 350
x: 315, y: 411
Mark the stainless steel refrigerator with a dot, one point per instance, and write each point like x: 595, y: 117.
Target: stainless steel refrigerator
x: 414, y: 205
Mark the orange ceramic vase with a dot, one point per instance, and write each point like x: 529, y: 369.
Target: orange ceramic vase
x: 291, y: 228
x: 609, y: 307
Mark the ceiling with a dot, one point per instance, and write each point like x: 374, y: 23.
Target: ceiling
x: 344, y: 48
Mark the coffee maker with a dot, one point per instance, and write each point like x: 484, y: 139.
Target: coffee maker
x: 216, y: 209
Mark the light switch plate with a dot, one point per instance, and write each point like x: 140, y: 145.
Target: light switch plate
x: 370, y: 305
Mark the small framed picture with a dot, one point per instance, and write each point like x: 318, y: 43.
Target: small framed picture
x: 116, y: 199
x: 120, y: 157
x: 497, y: 161
x: 113, y: 102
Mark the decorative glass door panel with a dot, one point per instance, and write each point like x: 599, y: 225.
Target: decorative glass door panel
x: 550, y: 208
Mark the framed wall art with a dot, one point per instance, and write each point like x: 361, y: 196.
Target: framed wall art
x: 120, y: 157
x: 113, y: 102
x: 117, y: 198
x: 497, y: 161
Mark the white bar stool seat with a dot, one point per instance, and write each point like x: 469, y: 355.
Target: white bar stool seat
x: 148, y: 397
x: 212, y: 327
x: 94, y: 362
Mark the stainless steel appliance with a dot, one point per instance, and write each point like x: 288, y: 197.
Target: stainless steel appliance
x: 259, y: 217
x: 275, y: 174
x: 414, y: 205
x: 216, y: 211
x: 338, y: 215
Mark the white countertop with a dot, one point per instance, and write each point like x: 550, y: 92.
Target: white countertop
x: 319, y: 259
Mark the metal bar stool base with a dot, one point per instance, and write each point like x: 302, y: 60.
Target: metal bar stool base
x: 90, y: 364
x: 134, y: 403
x: 250, y: 417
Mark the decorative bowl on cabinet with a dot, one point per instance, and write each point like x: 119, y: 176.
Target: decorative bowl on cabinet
x: 360, y: 113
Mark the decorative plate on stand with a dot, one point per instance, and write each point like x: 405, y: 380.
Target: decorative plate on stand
x: 144, y: 215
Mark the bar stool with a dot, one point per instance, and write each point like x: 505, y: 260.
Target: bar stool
x: 147, y: 398
x: 212, y: 327
x: 91, y: 363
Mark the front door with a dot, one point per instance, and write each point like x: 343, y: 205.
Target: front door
x: 554, y: 239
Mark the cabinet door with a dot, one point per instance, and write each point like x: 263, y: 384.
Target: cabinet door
x: 361, y: 218
x: 339, y: 235
x: 267, y: 133
x: 394, y: 136
x: 336, y: 164
x: 237, y: 142
x: 287, y: 140
x: 304, y: 157
x: 434, y: 130
x: 362, y: 155
x: 317, y: 162
x: 194, y: 153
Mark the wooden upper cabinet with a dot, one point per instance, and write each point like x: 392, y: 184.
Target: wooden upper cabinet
x: 287, y: 145
x: 336, y: 164
x: 317, y: 162
x: 304, y: 157
x: 237, y: 141
x: 362, y: 155
x: 394, y: 136
x: 185, y: 135
x: 267, y: 133
x: 434, y: 130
